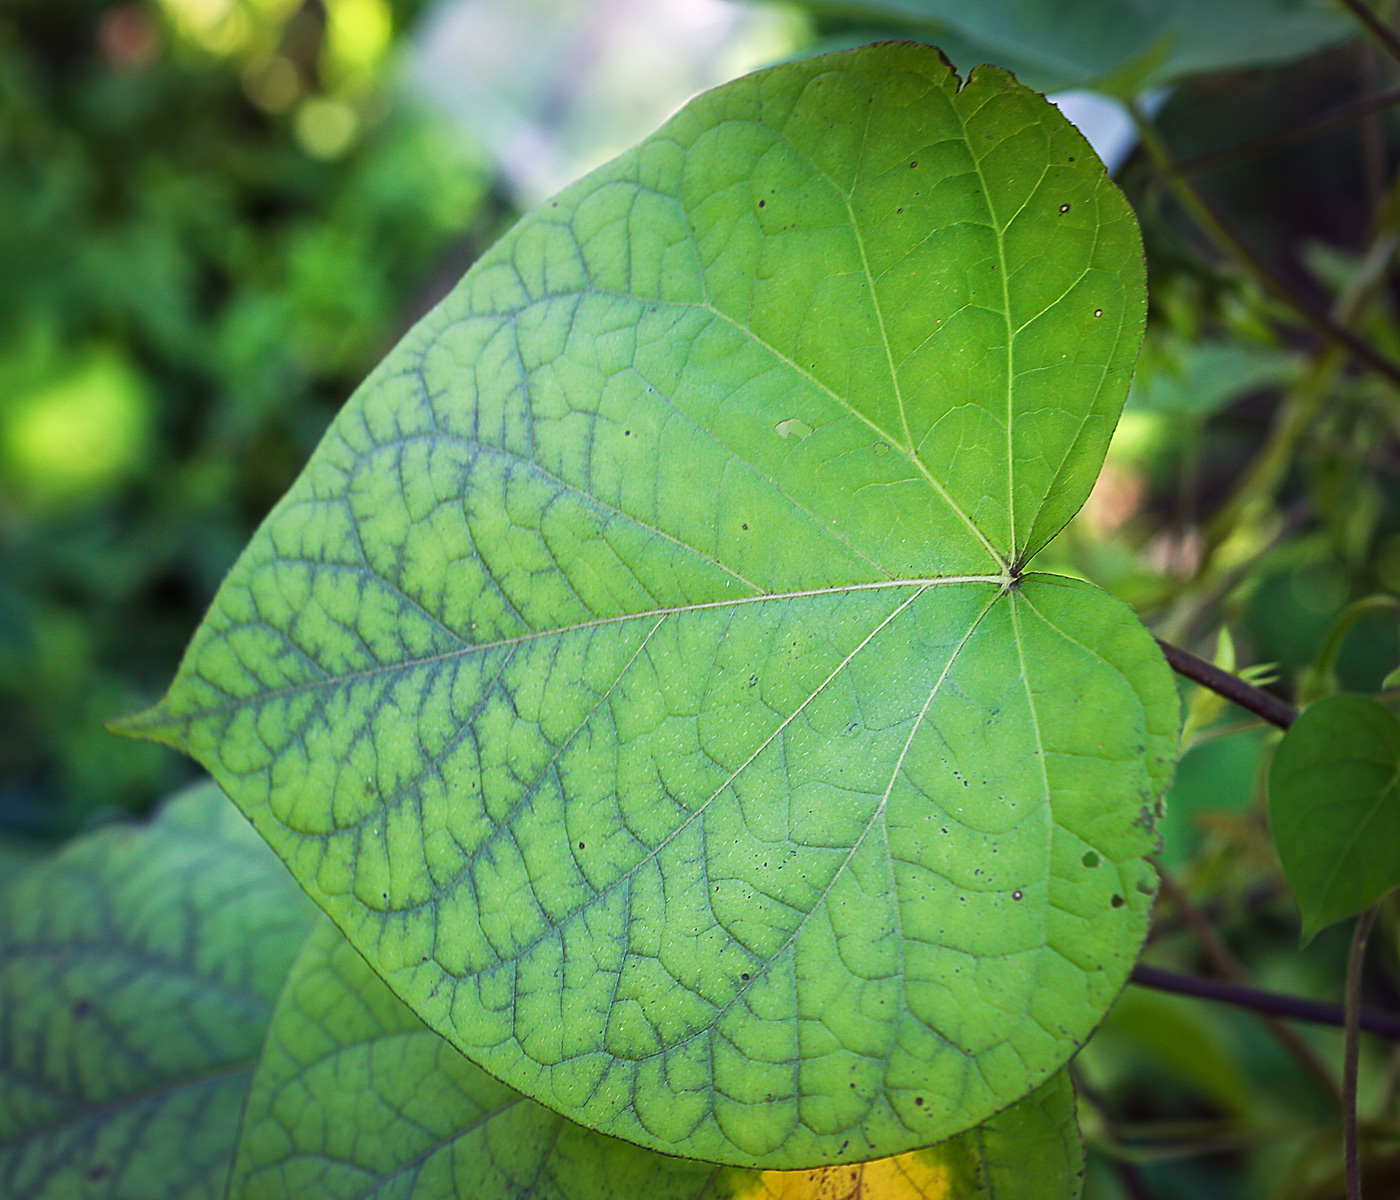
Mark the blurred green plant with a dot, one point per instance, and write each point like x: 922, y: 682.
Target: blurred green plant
x: 216, y: 217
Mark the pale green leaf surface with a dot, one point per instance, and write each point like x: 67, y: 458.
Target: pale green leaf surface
x: 1070, y: 43
x: 138, y: 971
x: 1334, y: 807
x: 640, y: 673
x: 356, y: 1099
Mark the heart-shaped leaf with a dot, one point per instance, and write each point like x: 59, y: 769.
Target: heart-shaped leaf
x: 642, y: 673
x: 138, y: 970
x: 1334, y: 807
x: 356, y: 1099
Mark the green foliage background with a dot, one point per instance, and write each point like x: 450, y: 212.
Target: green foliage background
x: 196, y: 269
x: 187, y: 293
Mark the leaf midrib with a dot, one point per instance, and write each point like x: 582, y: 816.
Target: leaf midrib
x: 164, y: 719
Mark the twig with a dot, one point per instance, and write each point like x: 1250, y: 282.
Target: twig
x: 1228, y: 239
x: 1128, y: 1173
x: 1343, y: 114
x: 1292, y: 1008
x: 1352, y: 1051
x: 1229, y: 968
x: 1377, y: 28
x: 1232, y: 687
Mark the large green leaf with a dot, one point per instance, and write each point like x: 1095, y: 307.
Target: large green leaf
x: 356, y: 1099
x: 642, y: 673
x: 138, y: 970
x: 1334, y: 806
x: 1069, y: 43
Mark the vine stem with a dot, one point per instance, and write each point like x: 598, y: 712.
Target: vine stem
x: 1343, y: 114
x: 1230, y: 969
x: 1377, y: 28
x: 1278, y: 1004
x: 1352, y: 1052
x: 1215, y: 225
x: 1232, y: 687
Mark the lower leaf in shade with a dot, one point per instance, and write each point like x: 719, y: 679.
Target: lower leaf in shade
x: 356, y: 1097
x: 138, y: 971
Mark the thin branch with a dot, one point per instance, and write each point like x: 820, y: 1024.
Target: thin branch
x: 1377, y: 28
x: 1343, y: 114
x: 1291, y: 1008
x: 1231, y: 971
x: 1352, y: 1051
x: 1232, y: 687
x: 1214, y: 223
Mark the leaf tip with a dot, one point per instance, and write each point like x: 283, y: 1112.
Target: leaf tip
x: 153, y: 724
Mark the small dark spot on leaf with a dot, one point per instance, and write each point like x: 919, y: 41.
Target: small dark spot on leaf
x: 81, y: 1008
x: 1117, y: 901
x: 1064, y: 208
x: 919, y: 1101
x: 1071, y: 158
x: 626, y: 433
x: 1016, y: 895
x: 1090, y: 859
x: 97, y: 1170
x: 761, y: 203
x: 745, y: 525
x: 899, y: 210
x: 744, y: 976
x: 915, y: 163
x: 1098, y: 312
x: 580, y: 845
x: 768, y: 1099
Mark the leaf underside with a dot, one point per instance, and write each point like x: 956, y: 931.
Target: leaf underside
x: 138, y: 970
x: 1334, y: 808
x: 642, y: 673
x: 355, y: 1099
x: 1058, y: 44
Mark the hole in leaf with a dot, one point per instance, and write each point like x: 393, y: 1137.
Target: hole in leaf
x: 793, y: 427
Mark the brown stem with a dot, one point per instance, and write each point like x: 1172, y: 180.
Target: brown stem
x: 1276, y: 1004
x: 1343, y: 114
x: 1219, y: 229
x: 1352, y: 1053
x: 1228, y: 967
x: 1377, y: 28
x: 1232, y: 687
